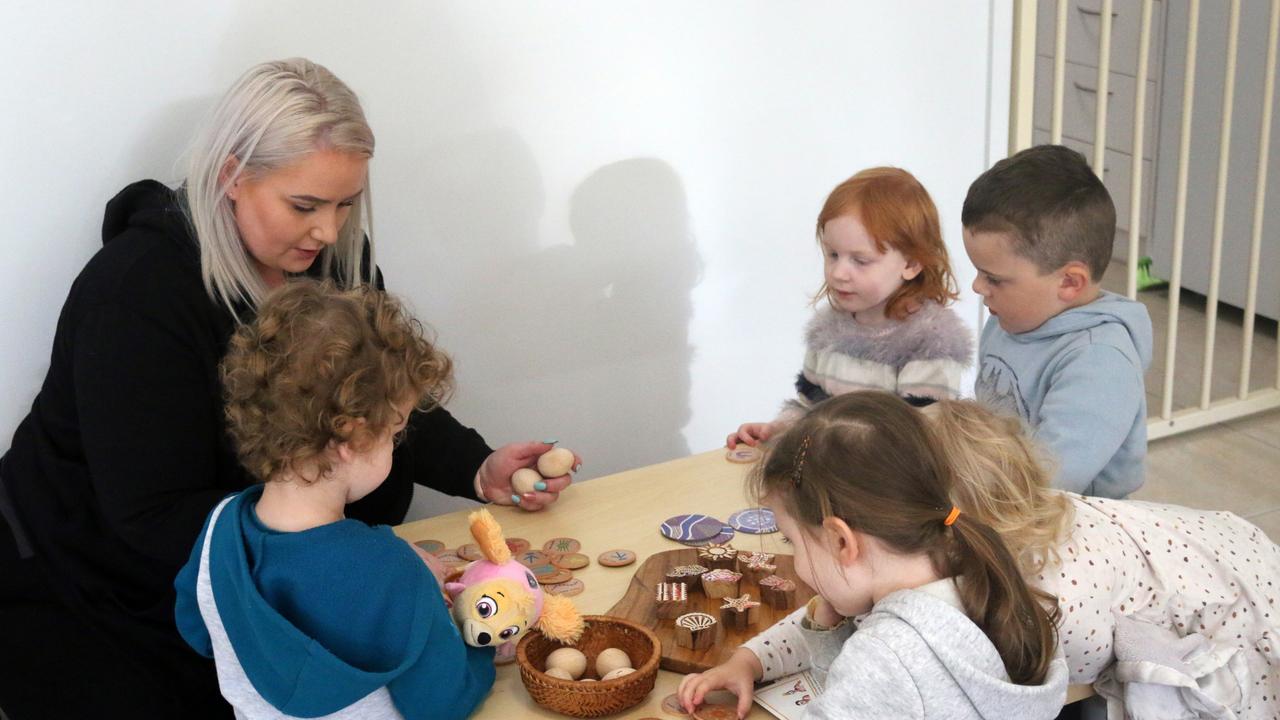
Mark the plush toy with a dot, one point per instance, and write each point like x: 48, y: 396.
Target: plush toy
x: 496, y: 598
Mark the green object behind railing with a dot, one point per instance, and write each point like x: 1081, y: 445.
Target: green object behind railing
x: 1147, y: 281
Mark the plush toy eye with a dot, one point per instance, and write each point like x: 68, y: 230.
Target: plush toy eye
x: 533, y: 581
x: 509, y: 633
x: 485, y: 606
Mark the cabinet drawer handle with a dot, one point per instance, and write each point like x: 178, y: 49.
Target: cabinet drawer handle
x: 1086, y: 88
x: 1087, y: 11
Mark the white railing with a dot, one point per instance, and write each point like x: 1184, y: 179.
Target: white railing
x: 1207, y: 411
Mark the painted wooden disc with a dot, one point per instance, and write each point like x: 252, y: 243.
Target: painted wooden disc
x: 616, y: 558
x: 569, y: 588
x: 758, y: 521
x: 695, y: 527
x: 571, y: 561
x: 434, y: 547
x: 561, y: 545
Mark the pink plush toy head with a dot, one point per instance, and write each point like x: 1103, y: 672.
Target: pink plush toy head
x: 497, y: 599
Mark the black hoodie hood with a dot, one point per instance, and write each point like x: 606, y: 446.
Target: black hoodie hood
x: 151, y: 206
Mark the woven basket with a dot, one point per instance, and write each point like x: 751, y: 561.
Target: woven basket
x: 592, y: 699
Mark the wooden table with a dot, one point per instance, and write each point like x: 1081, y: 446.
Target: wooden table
x: 618, y: 511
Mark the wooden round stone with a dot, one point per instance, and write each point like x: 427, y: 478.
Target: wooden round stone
x: 452, y: 558
x: 715, y: 711
x: 571, y: 561
x: 434, y: 547
x: 532, y: 558
x: 470, y: 551
x: 559, y: 576
x: 671, y: 704
x: 568, y: 589
x: 561, y: 545
x: 517, y: 545
x: 616, y: 558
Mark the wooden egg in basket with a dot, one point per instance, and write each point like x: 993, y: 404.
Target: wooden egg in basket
x: 592, y: 699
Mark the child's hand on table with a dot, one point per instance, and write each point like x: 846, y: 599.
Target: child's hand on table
x: 493, y: 480
x: 750, y: 433
x: 738, y: 675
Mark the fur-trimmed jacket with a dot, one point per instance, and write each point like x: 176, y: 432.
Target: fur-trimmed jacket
x: 922, y: 355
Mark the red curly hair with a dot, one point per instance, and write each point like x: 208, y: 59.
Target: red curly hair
x: 898, y: 213
x: 321, y: 365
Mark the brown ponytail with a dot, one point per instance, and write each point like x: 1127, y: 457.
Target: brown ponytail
x: 869, y: 459
x: 995, y: 596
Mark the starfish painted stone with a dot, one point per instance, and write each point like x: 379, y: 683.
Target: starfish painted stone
x: 739, y: 612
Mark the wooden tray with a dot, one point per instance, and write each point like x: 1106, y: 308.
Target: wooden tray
x: 638, y: 606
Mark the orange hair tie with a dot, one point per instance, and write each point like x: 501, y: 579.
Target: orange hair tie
x: 951, y: 518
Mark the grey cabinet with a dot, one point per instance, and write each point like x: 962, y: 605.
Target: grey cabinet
x: 1202, y: 176
x: 1080, y: 97
x: 1166, y: 71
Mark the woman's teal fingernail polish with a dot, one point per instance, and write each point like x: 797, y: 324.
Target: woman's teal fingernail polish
x: 515, y: 499
x: 539, y: 486
x: 550, y: 442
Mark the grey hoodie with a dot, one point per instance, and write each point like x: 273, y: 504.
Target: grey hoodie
x: 917, y: 655
x: 1077, y: 382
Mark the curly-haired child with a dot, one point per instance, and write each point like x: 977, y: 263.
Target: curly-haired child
x: 887, y: 282
x: 305, y: 612
x: 1165, y: 610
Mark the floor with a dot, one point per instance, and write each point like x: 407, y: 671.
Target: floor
x: 1234, y: 466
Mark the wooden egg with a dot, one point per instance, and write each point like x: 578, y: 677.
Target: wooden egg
x: 569, y: 660
x: 560, y: 673
x: 523, y: 480
x: 618, y: 673
x: 555, y: 462
x: 609, y: 660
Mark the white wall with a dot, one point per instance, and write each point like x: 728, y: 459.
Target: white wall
x: 605, y: 209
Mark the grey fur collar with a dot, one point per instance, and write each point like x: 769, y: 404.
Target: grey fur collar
x: 933, y: 332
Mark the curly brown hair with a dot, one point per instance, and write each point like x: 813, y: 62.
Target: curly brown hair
x: 321, y: 365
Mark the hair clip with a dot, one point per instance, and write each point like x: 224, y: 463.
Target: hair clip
x: 951, y: 518
x: 799, y: 468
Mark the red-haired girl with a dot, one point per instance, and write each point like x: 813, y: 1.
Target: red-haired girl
x: 887, y: 282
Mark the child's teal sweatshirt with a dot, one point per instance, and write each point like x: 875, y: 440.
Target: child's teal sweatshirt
x: 312, y: 622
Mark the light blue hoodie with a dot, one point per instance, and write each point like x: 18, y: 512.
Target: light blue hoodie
x: 1077, y: 381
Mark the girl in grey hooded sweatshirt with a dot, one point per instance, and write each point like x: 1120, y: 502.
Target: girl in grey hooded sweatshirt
x: 948, y: 629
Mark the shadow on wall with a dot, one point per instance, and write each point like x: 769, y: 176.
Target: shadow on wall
x: 584, y: 342
x: 637, y: 262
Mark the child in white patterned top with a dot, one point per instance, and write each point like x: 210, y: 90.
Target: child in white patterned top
x: 887, y: 282
x: 1122, y: 569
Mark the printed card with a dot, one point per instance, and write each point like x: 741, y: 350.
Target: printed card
x: 788, y: 697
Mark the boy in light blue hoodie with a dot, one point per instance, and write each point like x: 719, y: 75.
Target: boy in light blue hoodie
x: 1058, y: 351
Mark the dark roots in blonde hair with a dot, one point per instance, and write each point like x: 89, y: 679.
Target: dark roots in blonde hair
x: 321, y: 365
x: 871, y: 460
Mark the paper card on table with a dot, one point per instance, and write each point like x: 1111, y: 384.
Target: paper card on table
x: 789, y: 697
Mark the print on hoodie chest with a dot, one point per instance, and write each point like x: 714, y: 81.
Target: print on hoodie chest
x: 998, y: 389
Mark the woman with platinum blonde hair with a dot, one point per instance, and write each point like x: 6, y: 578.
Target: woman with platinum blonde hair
x: 1138, y: 583
x: 124, y: 452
